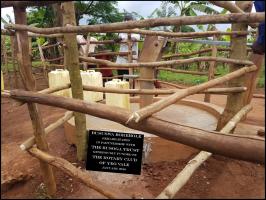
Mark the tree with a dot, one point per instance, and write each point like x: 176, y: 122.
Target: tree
x: 98, y: 12
x: 183, y: 8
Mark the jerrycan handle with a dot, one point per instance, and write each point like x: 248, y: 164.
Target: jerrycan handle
x: 116, y: 80
x: 90, y: 70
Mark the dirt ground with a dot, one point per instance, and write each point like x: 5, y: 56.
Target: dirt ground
x: 218, y: 177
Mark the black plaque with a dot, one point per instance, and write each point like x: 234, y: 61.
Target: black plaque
x: 114, y: 152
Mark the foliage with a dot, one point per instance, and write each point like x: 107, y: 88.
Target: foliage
x: 188, y: 79
x: 183, y: 8
x: 98, y: 12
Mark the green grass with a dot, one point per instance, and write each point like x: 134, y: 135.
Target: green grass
x: 261, y: 81
x: 10, y: 66
x: 188, y: 79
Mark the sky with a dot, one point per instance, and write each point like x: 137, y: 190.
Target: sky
x: 144, y: 8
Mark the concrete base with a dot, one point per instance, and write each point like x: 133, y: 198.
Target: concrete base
x: 187, y: 112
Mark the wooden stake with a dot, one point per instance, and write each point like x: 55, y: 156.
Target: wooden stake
x: 182, y: 178
x: 72, y: 63
x: 239, y: 51
x: 43, y: 61
x: 252, y: 78
x: 31, y: 141
x: 233, y: 8
x: 151, y: 51
x: 259, y: 96
x: 68, y: 168
x: 86, y: 53
x: 212, y: 68
x: 14, y: 52
x: 29, y: 83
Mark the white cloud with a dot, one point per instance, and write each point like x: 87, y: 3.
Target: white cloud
x: 143, y: 8
x: 4, y: 12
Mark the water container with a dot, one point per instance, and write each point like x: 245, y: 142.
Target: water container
x: 119, y: 100
x: 92, y: 78
x: 2, y: 81
x: 59, y: 77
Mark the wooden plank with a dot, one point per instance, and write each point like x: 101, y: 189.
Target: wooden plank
x: 239, y: 51
x: 151, y: 51
x: 29, y: 83
x: 212, y: 68
x: 71, y: 60
x: 31, y: 141
x: 252, y: 78
x: 26, y: 3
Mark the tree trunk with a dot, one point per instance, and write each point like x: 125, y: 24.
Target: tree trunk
x: 29, y: 83
x: 175, y: 45
x: 71, y: 60
x: 239, y: 51
x: 58, y: 21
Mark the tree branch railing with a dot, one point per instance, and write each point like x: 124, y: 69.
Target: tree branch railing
x: 198, y: 52
x: 185, y: 71
x: 232, y: 8
x: 182, y: 178
x: 5, y: 4
x: 165, y: 63
x: 71, y: 170
x: 183, y: 20
x: 240, y: 147
x: 147, y: 111
x: 142, y: 32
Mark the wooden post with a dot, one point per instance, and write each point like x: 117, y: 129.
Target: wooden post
x: 58, y: 22
x: 212, y: 67
x: 13, y: 52
x: 3, y: 38
x: 239, y: 51
x: 252, y: 77
x: 130, y: 58
x: 30, y: 48
x: 85, y: 64
x: 72, y: 62
x: 43, y: 61
x: 29, y: 83
x: 151, y: 51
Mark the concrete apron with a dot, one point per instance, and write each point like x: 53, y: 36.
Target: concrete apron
x: 155, y: 149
